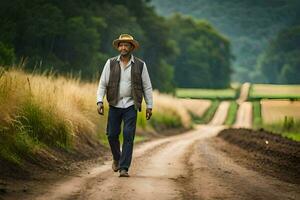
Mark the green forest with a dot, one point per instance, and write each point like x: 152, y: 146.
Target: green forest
x: 264, y: 34
x: 204, y: 45
x: 75, y: 36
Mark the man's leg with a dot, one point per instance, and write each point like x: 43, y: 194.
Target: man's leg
x: 113, y: 131
x: 129, y: 117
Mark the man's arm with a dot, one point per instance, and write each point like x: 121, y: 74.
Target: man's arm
x: 103, y: 82
x: 147, y: 88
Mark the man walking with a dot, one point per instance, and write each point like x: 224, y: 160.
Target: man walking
x: 125, y: 81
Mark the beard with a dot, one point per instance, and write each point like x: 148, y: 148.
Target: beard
x: 125, y: 53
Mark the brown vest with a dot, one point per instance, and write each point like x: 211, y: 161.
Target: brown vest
x: 112, y: 91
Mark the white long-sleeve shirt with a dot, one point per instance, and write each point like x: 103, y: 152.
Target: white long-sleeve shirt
x: 125, y: 96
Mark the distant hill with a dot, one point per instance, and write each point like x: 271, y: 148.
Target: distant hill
x: 250, y: 25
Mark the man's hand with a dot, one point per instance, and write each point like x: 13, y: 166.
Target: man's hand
x: 148, y: 113
x: 100, y: 108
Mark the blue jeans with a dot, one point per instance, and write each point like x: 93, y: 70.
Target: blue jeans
x: 115, y: 118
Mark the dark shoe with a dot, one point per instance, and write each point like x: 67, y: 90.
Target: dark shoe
x: 124, y: 173
x: 115, y: 166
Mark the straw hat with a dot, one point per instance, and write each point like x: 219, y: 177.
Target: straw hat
x: 125, y: 38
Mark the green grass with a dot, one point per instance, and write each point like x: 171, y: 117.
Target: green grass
x: 231, y: 116
x: 272, y: 91
x: 221, y: 94
x: 164, y: 121
x: 289, y: 128
x: 32, y: 128
x: 208, y: 115
x: 256, y: 110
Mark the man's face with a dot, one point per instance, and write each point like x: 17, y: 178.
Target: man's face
x: 125, y: 48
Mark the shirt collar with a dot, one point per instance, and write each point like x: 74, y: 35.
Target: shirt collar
x: 131, y: 58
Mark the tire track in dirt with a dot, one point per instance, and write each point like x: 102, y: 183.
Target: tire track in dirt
x: 154, y: 176
x: 244, y: 116
x: 244, y: 113
x: 221, y: 114
x: 213, y: 175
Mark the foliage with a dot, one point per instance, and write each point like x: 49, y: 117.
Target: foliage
x: 289, y: 127
x: 250, y: 25
x: 280, y: 63
x: 75, y: 36
x: 204, y: 58
x: 45, y: 110
x: 7, y: 55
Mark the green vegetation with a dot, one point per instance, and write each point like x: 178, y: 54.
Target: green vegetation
x: 209, y: 113
x: 269, y: 91
x: 280, y: 63
x: 40, y: 112
x: 76, y: 37
x: 248, y: 24
x: 231, y: 116
x: 204, y: 54
x: 256, y: 110
x: 161, y: 121
x: 289, y: 128
x: 221, y: 94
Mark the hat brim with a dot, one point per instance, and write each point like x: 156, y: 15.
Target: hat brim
x: 134, y: 43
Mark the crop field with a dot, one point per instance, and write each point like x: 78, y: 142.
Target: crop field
x: 273, y: 111
x: 196, y: 107
x: 195, y: 93
x: 269, y: 91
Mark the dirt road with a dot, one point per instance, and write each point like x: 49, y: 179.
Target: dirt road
x: 185, y: 166
x: 244, y: 113
x: 244, y: 116
x: 221, y: 113
x: 244, y: 93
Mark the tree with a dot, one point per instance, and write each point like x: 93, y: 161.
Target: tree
x: 280, y: 63
x: 204, y: 59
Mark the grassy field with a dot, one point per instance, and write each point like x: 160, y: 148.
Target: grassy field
x: 278, y: 116
x: 256, y: 110
x: 269, y: 91
x: 231, y: 116
x: 212, y: 94
x: 276, y: 110
x: 44, y: 110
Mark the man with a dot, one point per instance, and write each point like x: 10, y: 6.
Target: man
x: 125, y: 81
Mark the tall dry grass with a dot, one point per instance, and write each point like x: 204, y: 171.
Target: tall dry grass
x: 45, y: 109
x: 169, y: 112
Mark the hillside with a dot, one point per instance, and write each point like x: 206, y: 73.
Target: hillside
x: 250, y: 25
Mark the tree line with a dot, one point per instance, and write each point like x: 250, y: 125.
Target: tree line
x: 75, y: 36
x: 253, y: 28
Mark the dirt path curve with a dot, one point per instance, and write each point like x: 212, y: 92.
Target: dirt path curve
x: 244, y: 113
x: 244, y: 93
x: 186, y: 166
x: 221, y: 114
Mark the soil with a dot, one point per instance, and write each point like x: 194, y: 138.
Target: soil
x: 197, y: 164
x: 263, y: 151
